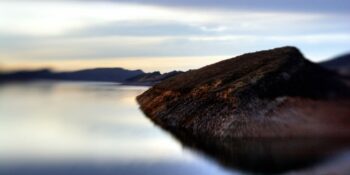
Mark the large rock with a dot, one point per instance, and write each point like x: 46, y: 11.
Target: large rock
x: 273, y: 93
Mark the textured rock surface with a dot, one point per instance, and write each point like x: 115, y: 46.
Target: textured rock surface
x: 273, y: 93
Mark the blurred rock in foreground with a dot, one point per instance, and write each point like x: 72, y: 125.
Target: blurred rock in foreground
x: 273, y: 93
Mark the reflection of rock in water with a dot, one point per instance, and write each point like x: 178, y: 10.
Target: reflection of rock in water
x: 267, y: 156
x: 268, y: 94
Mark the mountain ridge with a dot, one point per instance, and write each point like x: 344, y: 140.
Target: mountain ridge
x: 126, y: 77
x: 340, y: 64
x: 96, y: 74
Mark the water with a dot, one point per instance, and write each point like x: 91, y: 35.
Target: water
x: 86, y: 128
x: 97, y: 128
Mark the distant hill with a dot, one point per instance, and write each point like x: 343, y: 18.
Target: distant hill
x: 127, y: 77
x: 151, y: 78
x: 98, y: 74
x: 339, y: 64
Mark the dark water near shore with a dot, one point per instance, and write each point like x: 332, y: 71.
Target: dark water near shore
x: 97, y: 128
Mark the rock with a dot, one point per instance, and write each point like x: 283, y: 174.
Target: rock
x: 273, y: 93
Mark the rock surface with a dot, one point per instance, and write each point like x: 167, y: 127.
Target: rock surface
x: 273, y: 93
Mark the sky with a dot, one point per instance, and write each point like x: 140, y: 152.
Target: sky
x: 165, y: 35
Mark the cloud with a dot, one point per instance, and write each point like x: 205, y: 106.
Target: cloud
x: 54, y: 18
x: 116, y: 47
x: 138, y: 28
x: 99, y: 30
x: 319, y: 6
x: 57, y: 18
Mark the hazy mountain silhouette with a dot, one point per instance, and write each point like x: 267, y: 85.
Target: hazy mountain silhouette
x: 151, y: 78
x: 98, y: 74
x: 127, y: 77
x: 339, y: 64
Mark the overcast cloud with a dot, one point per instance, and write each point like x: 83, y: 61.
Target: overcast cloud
x: 99, y: 30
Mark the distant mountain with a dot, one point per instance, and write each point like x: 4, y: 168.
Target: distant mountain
x: 98, y: 74
x: 267, y: 94
x: 151, y: 78
x: 339, y: 64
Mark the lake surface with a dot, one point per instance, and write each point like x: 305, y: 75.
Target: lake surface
x: 97, y: 128
x: 86, y: 128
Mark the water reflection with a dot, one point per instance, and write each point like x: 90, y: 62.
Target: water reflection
x: 73, y: 120
x: 97, y: 128
x: 86, y: 128
x: 269, y: 155
x: 272, y: 156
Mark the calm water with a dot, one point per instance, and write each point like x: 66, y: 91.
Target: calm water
x: 97, y: 128
x: 86, y: 128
